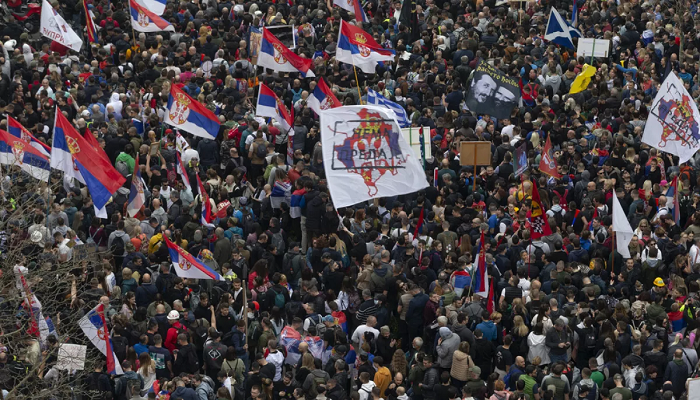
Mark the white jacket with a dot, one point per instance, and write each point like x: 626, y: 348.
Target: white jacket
x: 537, y: 348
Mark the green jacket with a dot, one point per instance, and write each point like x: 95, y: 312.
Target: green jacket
x: 129, y: 160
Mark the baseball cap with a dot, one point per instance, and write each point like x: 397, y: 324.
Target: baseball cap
x: 173, y: 315
x: 328, y: 318
x: 659, y: 282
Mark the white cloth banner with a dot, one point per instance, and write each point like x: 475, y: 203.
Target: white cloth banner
x: 54, y: 27
x: 622, y: 228
x: 366, y: 156
x: 673, y: 123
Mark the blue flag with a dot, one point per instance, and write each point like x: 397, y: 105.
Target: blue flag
x: 377, y: 99
x: 558, y: 30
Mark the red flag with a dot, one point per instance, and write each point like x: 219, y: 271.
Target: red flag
x: 537, y: 217
x: 548, y: 164
x: 420, y: 223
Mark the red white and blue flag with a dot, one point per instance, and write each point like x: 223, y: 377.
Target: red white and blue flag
x: 277, y: 57
x: 676, y: 202
x: 482, y: 286
x: 17, y: 130
x: 481, y: 276
x: 353, y: 6
x: 269, y: 105
x: 207, y: 215
x: 145, y: 20
x: 322, y: 98
x: 100, y: 177
x: 39, y: 326
x: 191, y: 116
x: 90, y: 24
x: 94, y: 326
x: 183, y: 172
x: 14, y: 151
x: 137, y: 195
x: 186, y: 266
x: 359, y: 48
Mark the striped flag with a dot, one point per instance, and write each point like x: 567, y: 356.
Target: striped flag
x: 207, y: 216
x: 95, y: 328
x: 401, y: 115
x: 90, y: 24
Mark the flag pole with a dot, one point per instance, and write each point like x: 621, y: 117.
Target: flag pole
x: 357, y: 81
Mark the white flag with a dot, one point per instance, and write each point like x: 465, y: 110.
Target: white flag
x: 365, y: 156
x: 673, y: 120
x: 622, y: 228
x: 54, y: 27
x: 94, y: 326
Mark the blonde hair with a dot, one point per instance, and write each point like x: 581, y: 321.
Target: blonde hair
x: 307, y: 361
x: 519, y: 326
x: 126, y: 273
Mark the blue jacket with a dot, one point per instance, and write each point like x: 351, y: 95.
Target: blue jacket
x: 489, y: 330
x: 414, y: 315
x: 184, y: 393
x: 145, y: 294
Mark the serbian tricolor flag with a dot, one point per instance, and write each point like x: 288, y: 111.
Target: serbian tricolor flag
x: 277, y: 57
x: 186, y: 266
x: 548, y: 164
x: 353, y: 6
x: 207, y: 216
x: 676, y: 203
x: 183, y: 172
x: 359, y: 48
x: 94, y: 326
x: 17, y: 152
x: 137, y: 195
x: 39, y: 326
x: 17, y: 130
x: 269, y: 105
x: 322, y: 98
x: 191, y: 116
x: 537, y: 217
x: 481, y: 275
x: 89, y: 24
x: 419, y: 225
x: 144, y: 20
x: 100, y: 177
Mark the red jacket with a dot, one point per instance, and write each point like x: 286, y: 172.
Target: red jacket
x: 171, y: 338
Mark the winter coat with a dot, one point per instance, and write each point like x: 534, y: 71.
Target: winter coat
x: 461, y: 364
x: 446, y: 348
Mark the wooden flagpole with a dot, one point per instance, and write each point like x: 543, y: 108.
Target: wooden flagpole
x: 357, y: 81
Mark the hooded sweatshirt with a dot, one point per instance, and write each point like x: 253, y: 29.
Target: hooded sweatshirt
x: 382, y: 378
x: 489, y: 329
x: 447, y: 347
x: 366, y: 390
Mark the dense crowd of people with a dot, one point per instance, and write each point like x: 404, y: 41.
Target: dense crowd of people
x: 378, y: 300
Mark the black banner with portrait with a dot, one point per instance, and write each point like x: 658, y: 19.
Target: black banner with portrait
x: 492, y: 92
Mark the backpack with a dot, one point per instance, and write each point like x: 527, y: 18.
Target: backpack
x: 354, y: 302
x: 131, y: 387
x: 122, y: 167
x: 279, y: 299
x: 687, y: 173
x: 277, y: 240
x: 377, y: 282
x: 118, y: 247
x: 91, y: 238
x: 591, y: 340
x: 247, y: 221
x: 315, y: 320
x: 210, y: 393
x: 261, y: 150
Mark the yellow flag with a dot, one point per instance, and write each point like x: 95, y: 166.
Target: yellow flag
x: 582, y: 79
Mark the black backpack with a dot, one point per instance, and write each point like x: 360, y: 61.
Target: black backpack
x: 591, y: 340
x: 247, y: 221
x: 118, y: 246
